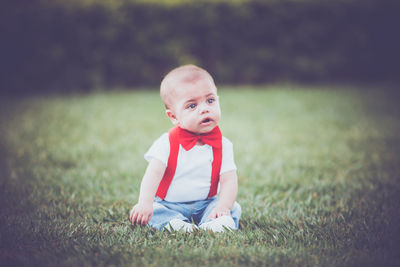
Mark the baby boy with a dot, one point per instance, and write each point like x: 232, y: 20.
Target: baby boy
x: 191, y: 180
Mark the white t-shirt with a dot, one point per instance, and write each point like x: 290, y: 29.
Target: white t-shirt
x: 192, y: 178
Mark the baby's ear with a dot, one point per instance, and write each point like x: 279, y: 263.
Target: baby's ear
x: 171, y: 116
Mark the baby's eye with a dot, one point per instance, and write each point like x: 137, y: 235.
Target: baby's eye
x: 191, y: 106
x: 210, y: 100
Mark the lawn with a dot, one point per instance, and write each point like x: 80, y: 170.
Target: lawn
x: 318, y: 167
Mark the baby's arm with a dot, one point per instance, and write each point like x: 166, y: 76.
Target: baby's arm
x: 227, y: 194
x: 143, y: 210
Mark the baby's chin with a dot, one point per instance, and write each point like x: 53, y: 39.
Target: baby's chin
x: 202, y: 130
x: 206, y: 129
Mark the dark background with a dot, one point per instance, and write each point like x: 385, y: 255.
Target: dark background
x: 54, y: 45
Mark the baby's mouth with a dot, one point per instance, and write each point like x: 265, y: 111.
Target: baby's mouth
x: 206, y: 120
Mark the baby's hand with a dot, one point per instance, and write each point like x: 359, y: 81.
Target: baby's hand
x: 141, y: 213
x: 218, y: 212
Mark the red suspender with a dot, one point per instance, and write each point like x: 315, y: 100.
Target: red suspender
x: 172, y: 162
x: 216, y: 168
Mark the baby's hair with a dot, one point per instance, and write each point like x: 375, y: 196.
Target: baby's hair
x: 182, y: 74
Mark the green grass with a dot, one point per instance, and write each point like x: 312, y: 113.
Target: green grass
x: 319, y: 179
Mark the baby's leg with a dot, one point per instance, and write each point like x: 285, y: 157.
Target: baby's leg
x: 164, y: 214
x: 235, y: 216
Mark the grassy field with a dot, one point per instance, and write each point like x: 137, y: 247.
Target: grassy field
x: 319, y: 179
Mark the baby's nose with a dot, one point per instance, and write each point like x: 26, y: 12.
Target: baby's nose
x: 203, y: 108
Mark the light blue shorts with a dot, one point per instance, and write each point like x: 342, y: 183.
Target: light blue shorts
x: 196, y: 211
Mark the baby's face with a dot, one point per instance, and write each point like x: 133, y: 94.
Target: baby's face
x: 195, y: 106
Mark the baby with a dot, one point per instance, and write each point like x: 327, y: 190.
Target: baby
x: 192, y: 163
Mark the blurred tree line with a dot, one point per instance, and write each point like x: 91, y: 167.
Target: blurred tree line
x: 79, y: 45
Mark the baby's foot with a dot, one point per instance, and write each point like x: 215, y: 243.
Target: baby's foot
x: 179, y: 225
x: 219, y: 224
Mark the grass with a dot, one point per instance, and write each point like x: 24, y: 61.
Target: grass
x: 318, y: 179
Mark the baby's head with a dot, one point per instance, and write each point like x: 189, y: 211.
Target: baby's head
x: 191, y: 100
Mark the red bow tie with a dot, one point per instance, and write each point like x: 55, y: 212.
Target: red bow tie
x: 189, y: 140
